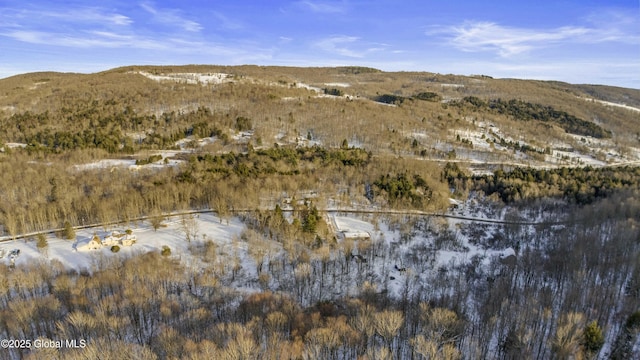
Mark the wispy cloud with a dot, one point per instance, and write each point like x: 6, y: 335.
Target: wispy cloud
x: 92, y: 15
x: 10, y: 17
x: 171, y: 17
x: 339, y: 45
x: 226, y: 22
x: 615, y: 25
x: 95, y: 29
x: 324, y: 7
x: 507, y: 41
x: 87, y: 39
x: 349, y: 46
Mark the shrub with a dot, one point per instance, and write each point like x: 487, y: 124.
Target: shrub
x: 391, y: 99
x: 166, y: 251
x: 427, y: 96
x: 333, y: 91
x: 115, y: 248
x: 243, y: 124
x: 41, y: 241
x: 150, y: 160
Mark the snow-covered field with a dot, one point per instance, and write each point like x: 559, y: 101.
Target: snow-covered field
x: 186, y: 145
x: 74, y: 255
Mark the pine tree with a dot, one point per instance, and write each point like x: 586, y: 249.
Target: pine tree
x: 593, y: 337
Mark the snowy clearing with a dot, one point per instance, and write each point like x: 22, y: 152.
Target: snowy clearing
x: 75, y: 255
x: 190, y: 78
x: 83, y: 255
x: 129, y: 164
x: 608, y: 103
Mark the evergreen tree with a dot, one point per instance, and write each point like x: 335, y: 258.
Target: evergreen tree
x: 69, y: 233
x: 593, y: 337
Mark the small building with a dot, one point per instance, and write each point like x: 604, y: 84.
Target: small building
x: 355, y: 234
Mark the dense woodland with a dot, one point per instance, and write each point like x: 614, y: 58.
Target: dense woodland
x: 526, y: 111
x: 575, y: 185
x: 260, y: 141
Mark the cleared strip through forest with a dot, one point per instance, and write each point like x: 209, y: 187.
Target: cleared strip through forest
x: 344, y: 211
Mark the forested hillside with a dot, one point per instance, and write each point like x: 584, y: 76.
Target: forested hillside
x: 381, y: 215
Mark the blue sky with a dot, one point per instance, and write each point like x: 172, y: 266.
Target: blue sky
x: 578, y: 41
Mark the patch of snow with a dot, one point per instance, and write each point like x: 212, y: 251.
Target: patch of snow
x: 608, y: 103
x: 37, y: 85
x: 243, y: 135
x: 107, y: 164
x: 385, y: 104
x: 309, y: 87
x: 130, y: 164
x: 190, y: 78
x: 338, y: 84
x: 10, y: 109
x: 507, y: 252
x: 191, y: 142
x: 578, y: 158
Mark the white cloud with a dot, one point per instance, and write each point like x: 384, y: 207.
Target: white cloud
x: 335, y: 44
x: 171, y: 18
